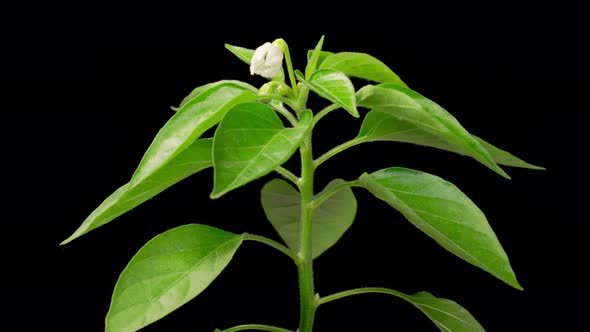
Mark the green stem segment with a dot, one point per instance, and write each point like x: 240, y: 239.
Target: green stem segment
x: 283, y: 46
x: 337, y: 149
x: 305, y: 268
x: 274, y: 244
x: 357, y: 291
x: 288, y: 175
x: 255, y: 327
x: 318, y: 201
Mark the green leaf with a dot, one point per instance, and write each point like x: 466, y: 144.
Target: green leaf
x: 191, y: 121
x: 322, y: 56
x: 191, y: 160
x: 412, y: 109
x: 506, y: 158
x: 361, y: 65
x: 447, y: 315
x: 200, y: 89
x: 249, y: 143
x: 244, y: 54
x: 444, y: 213
x: 382, y: 126
x: 167, y: 272
x: 331, y: 219
x: 313, y: 60
x: 334, y: 86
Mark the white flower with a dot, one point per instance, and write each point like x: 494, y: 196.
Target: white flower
x: 267, y: 61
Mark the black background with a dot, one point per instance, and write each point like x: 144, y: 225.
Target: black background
x: 86, y: 89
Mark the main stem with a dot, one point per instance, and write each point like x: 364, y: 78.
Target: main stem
x: 305, y: 266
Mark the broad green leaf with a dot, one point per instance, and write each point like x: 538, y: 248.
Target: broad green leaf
x: 249, y: 143
x: 167, y: 272
x: 361, y: 65
x: 244, y: 54
x: 200, y: 89
x: 382, y: 126
x: 282, y: 206
x: 191, y: 121
x: 334, y: 86
x: 313, y: 60
x: 191, y: 160
x: 447, y: 315
x: 411, y: 108
x: 444, y: 213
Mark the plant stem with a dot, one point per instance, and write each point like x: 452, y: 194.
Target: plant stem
x: 288, y: 175
x: 337, y: 149
x: 256, y: 327
x: 318, y: 201
x: 274, y: 244
x: 285, y: 48
x: 323, y: 113
x: 357, y: 291
x: 285, y: 100
x: 305, y: 267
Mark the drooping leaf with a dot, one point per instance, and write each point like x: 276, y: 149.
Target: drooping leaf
x: 191, y: 160
x: 411, y: 108
x: 334, y: 86
x: 250, y: 142
x: 167, y: 272
x: 331, y: 219
x: 244, y: 54
x: 382, y: 126
x: 444, y: 213
x: 312, y: 63
x: 200, y: 89
x: 191, y: 121
x: 447, y: 315
x: 361, y: 65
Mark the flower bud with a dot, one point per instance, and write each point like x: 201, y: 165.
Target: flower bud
x: 267, y: 61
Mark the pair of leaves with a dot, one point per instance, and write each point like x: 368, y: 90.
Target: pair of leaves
x: 400, y: 114
x: 331, y: 80
x: 331, y: 219
x: 175, y: 152
x: 177, y: 265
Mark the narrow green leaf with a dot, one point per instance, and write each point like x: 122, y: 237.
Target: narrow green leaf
x: 447, y: 315
x: 444, y: 213
x: 412, y: 109
x: 382, y: 126
x: 313, y: 61
x: 334, y: 86
x: 200, y: 89
x: 362, y: 65
x: 191, y: 160
x: 167, y: 272
x: 249, y: 143
x: 191, y: 121
x: 506, y: 158
x: 244, y: 54
x: 331, y: 219
x: 322, y: 56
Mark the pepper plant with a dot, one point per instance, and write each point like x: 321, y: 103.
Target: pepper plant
x: 258, y: 130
